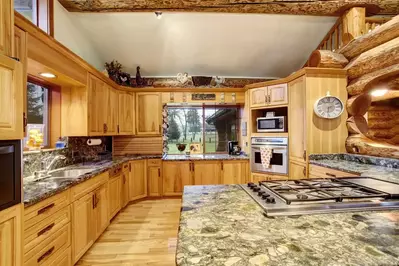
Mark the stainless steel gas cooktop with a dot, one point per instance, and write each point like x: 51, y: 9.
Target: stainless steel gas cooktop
x: 314, y: 196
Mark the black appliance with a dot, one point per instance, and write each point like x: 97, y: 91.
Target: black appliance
x: 233, y: 148
x: 10, y: 176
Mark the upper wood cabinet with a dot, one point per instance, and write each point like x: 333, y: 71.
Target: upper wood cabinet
x: 234, y: 172
x: 20, y: 52
x: 96, y: 112
x: 175, y: 176
x: 6, y: 27
x: 269, y: 96
x: 207, y: 172
x: 11, y: 100
x: 126, y: 113
x: 111, y: 107
x: 137, y: 180
x: 11, y: 236
x: 148, y: 113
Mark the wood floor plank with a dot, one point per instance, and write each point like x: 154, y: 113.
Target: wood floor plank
x: 144, y: 233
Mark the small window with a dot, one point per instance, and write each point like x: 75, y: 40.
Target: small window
x: 38, y: 117
x: 39, y: 12
x: 210, y: 126
x: 27, y: 8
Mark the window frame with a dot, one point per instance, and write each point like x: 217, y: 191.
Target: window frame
x: 203, y: 107
x: 43, y: 15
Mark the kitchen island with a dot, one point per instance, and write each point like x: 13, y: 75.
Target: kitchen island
x: 222, y: 225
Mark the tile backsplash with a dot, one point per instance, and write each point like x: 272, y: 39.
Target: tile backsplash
x: 77, y: 151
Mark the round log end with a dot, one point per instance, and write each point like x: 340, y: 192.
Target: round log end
x: 357, y: 125
x: 358, y: 105
x: 314, y: 59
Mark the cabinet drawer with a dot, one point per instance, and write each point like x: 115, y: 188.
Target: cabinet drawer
x: 44, y: 229
x: 47, y: 250
x: 154, y: 162
x: 324, y: 172
x: 88, y: 186
x: 61, y: 258
x: 46, y: 208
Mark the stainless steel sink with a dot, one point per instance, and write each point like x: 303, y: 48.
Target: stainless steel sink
x: 70, y: 173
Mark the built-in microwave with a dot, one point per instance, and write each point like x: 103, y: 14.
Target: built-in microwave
x: 10, y: 177
x: 271, y: 124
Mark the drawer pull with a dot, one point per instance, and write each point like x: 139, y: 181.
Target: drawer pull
x: 125, y: 166
x: 46, y: 254
x: 48, y: 228
x: 332, y: 175
x: 45, y: 209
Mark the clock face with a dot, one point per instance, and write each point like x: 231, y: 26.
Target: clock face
x: 329, y: 107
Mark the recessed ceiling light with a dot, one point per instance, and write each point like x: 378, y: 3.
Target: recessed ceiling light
x: 158, y: 14
x: 379, y: 92
x: 47, y: 75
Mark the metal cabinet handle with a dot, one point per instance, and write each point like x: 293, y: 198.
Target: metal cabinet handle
x: 222, y: 166
x: 117, y: 127
x: 7, y: 149
x: 304, y: 155
x: 93, y: 201
x: 304, y: 172
x: 46, y: 229
x: 159, y: 172
x: 193, y: 168
x: 46, y: 254
x: 45, y: 209
x: 25, y: 121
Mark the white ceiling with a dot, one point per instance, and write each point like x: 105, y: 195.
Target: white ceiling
x: 229, y: 45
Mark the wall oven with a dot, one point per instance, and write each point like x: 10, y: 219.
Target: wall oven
x: 10, y: 176
x: 279, y: 159
x: 271, y: 124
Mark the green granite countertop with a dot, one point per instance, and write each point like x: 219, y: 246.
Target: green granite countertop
x: 222, y: 225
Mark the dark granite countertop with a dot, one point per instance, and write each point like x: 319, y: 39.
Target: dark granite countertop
x: 196, y: 157
x: 222, y: 225
x: 370, y: 166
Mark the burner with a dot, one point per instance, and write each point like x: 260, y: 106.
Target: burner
x: 302, y: 196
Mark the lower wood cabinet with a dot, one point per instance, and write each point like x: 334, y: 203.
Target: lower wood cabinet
x: 234, y: 172
x: 125, y: 188
x: 207, y: 172
x: 101, y: 209
x: 175, y: 176
x: 115, y: 190
x: 137, y: 180
x: 297, y: 170
x: 256, y: 177
x: 316, y: 171
x: 10, y: 236
x: 154, y: 178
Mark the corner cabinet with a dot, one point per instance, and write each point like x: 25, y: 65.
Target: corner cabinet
x: 6, y: 27
x: 11, y: 100
x: 11, y: 236
x: 148, y: 113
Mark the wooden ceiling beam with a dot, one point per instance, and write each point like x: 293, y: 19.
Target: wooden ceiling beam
x: 293, y: 7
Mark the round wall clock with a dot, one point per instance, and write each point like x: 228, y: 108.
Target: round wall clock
x: 328, y: 107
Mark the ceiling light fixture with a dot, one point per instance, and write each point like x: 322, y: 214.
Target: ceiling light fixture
x: 379, y: 92
x: 158, y: 14
x: 47, y: 75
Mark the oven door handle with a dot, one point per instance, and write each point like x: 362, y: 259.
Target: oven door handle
x: 272, y: 147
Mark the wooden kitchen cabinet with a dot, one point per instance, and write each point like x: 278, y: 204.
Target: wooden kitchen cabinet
x: 259, y: 97
x: 234, y: 172
x: 154, y: 177
x: 96, y: 96
x: 316, y: 171
x: 11, y: 100
x: 83, y: 226
x: 277, y: 94
x: 11, y: 236
x: 101, y: 209
x: 111, y: 107
x: 126, y: 113
x: 6, y: 27
x: 148, y: 113
x: 137, y: 180
x: 297, y: 170
x: 125, y: 189
x: 115, y: 190
x: 207, y: 172
x: 21, y: 52
x: 175, y: 176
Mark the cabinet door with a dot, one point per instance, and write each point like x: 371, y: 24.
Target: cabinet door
x: 83, y: 226
x: 278, y: 94
x: 126, y: 113
x: 11, y: 236
x: 96, y: 106
x: 207, y: 172
x: 148, y: 113
x: 234, y: 172
x: 137, y: 180
x: 125, y: 189
x: 114, y: 192
x: 297, y: 170
x: 101, y: 210
x: 258, y: 97
x: 111, y: 106
x: 20, y: 52
x: 175, y: 176
x: 6, y: 27
x: 154, y: 179
x: 297, y: 119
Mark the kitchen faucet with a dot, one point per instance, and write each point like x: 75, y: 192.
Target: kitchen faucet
x: 46, y: 167
x: 53, y: 161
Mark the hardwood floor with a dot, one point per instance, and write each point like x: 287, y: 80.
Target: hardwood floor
x: 144, y: 233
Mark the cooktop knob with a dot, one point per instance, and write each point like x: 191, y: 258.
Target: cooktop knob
x: 250, y: 184
x: 265, y: 196
x: 256, y: 189
x: 260, y: 193
x: 271, y: 200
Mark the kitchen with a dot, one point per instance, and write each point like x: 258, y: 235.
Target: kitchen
x: 206, y: 158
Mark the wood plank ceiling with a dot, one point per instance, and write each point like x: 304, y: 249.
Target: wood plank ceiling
x: 293, y: 7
